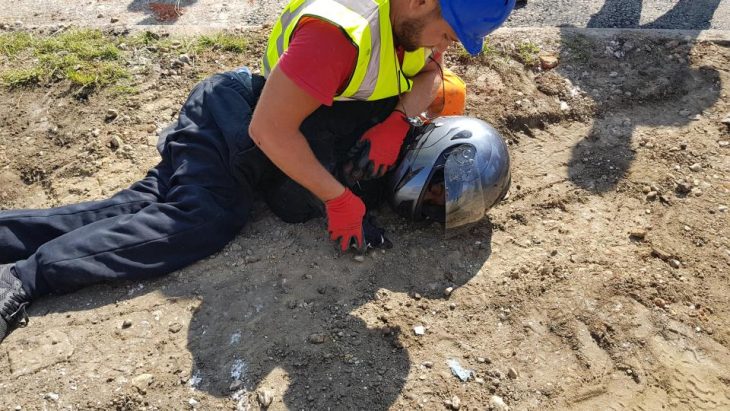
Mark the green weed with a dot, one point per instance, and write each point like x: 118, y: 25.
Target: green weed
x: 527, y: 52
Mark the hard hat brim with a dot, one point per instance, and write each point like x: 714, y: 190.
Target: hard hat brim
x: 473, y: 45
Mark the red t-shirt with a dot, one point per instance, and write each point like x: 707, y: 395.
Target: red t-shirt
x: 320, y: 59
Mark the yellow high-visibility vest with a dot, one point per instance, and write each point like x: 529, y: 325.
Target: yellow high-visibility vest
x: 378, y: 74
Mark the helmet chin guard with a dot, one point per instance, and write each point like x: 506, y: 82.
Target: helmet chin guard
x: 473, y: 160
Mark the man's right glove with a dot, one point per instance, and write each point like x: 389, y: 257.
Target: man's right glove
x: 344, y: 220
x: 377, y: 151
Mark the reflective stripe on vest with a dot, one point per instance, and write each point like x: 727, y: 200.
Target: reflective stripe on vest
x: 367, y: 24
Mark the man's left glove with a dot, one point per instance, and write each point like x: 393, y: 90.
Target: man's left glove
x: 377, y: 150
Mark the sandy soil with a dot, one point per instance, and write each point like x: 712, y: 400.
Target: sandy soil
x: 601, y: 283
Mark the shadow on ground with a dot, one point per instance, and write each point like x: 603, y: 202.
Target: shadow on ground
x: 648, y: 79
x: 328, y: 331
x: 685, y: 15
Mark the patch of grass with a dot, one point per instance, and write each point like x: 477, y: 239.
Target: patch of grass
x: 86, y: 58
x: 123, y: 90
x: 84, y: 44
x: 527, y: 52
x: 223, y: 42
x: 21, y: 77
x: 13, y: 43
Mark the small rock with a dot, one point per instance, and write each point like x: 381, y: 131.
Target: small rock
x: 113, y: 20
x: 419, y: 330
x: 696, y: 167
x: 359, y: 258
x: 685, y: 113
x: 479, y: 380
x: 175, y: 328
x: 455, y: 403
x: 496, y: 403
x: 683, y: 187
x: 722, y: 208
x: 661, y: 254
x: 292, y: 304
x: 674, y: 263
x: 659, y: 302
x: 236, y: 385
x: 111, y: 114
x: 316, y: 338
x: 512, y: 373
x: 115, y: 142
x: 52, y: 396
x: 452, y: 306
x: 250, y: 259
x: 613, y: 74
x: 126, y: 323
x: 428, y: 364
x: 639, y: 234
x: 549, y: 61
x: 652, y: 195
x: 265, y: 398
x: 142, y: 382
x: 448, y: 291
x: 193, y: 402
x: 184, y: 59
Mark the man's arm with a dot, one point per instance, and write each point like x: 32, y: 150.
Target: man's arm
x: 426, y: 85
x: 280, y: 111
x: 377, y: 151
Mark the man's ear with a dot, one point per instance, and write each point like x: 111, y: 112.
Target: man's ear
x: 422, y: 7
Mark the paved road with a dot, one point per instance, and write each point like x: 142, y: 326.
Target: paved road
x: 657, y: 14
x: 679, y: 14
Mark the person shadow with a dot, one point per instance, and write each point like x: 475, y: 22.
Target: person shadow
x: 323, y: 334
x: 685, y: 15
x: 657, y: 88
x: 162, y: 12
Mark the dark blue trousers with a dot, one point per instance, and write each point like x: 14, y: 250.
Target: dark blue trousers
x: 187, y: 207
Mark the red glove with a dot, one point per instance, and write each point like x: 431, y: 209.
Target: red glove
x: 378, y: 149
x: 344, y: 219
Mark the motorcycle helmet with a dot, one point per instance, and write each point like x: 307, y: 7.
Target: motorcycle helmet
x: 466, y: 157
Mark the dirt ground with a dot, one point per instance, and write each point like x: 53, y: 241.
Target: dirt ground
x: 600, y: 283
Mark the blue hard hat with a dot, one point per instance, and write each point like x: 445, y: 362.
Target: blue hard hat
x: 474, y: 19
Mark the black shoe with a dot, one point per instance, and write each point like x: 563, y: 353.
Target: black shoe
x: 13, y: 301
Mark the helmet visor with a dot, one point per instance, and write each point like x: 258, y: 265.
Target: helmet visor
x: 464, y: 191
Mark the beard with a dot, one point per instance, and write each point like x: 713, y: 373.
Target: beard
x: 408, y: 34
